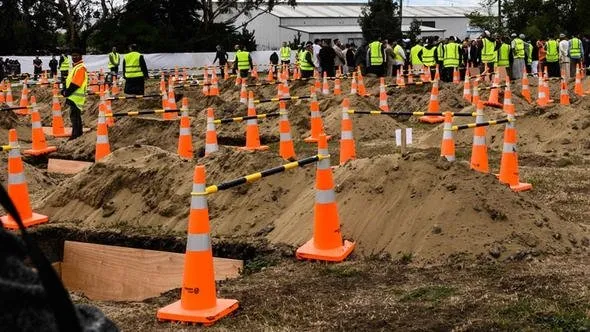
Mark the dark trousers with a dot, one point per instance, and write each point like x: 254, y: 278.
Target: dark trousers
x: 36, y: 74
x: 377, y: 70
x: 222, y: 68
x: 75, y: 118
x: 53, y: 73
x: 306, y: 73
x: 553, y: 69
x: 244, y: 73
x: 114, y: 69
x: 329, y: 70
x: 134, y: 86
x: 447, y: 74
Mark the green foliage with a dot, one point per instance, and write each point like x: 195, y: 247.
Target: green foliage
x: 294, y: 45
x: 380, y: 19
x: 414, y: 31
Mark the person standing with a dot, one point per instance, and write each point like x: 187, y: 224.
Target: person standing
x: 488, y: 52
x: 389, y: 58
x: 327, y: 56
x: 416, y: 53
x: 552, y: 57
x: 134, y: 72
x: 440, y: 52
x: 37, y: 67
x: 518, y: 54
x: 451, y: 60
x: 376, y: 57
x: 564, y: 59
x: 285, y: 54
x: 53, y: 66
x: 575, y: 53
x: 316, y: 52
x: 64, y: 66
x: 114, y: 60
x: 399, y: 57
x: 505, y: 58
x: 339, y: 60
x: 243, y: 62
x: 75, y: 93
x: 221, y: 55
x: 349, y: 54
x: 429, y: 56
x: 306, y: 61
x: 542, y: 55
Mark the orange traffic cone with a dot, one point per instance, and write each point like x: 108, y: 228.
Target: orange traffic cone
x: 239, y: 80
x: 18, y: 189
x: 214, y: 90
x: 437, y: 74
x: 428, y: 75
x: 410, y: 75
x: 255, y: 72
x: 541, y: 96
x: 162, y: 83
x: 564, y: 97
x: 171, y: 105
x: 509, y: 162
x: 243, y: 94
x: 317, y: 125
x: 211, y: 135
x: 546, y: 87
x: 270, y: 75
x: 456, y: 76
x: 205, y: 83
x: 353, y: 84
x: 578, y: 89
x: 467, y: 87
x: 447, y: 148
x: 198, y: 298
x: 286, y: 148
x: 115, y: 86
x: 226, y: 72
x: 493, y: 100
x: 399, y: 79
x: 362, y: 91
x: 479, y: 150
x: 24, y: 100
x: 185, y: 137
x: 109, y: 113
x: 525, y: 91
x: 433, y: 106
x: 9, y: 98
x: 57, y: 121
x: 252, y: 133
x: 508, y: 105
x: 39, y: 146
x: 326, y: 244
x: 337, y: 87
x: 383, y: 96
x: 347, y: 146
x: 2, y: 98
x: 102, y: 138
x: 325, y: 86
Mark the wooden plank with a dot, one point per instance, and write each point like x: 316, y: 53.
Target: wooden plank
x: 113, y: 273
x: 66, y: 166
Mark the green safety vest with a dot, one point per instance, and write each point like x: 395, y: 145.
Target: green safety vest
x: 398, y: 57
x: 132, y: 67
x: 451, y: 58
x: 428, y: 57
x: 529, y: 52
x: 504, y: 55
x: 285, y: 53
x: 440, y: 50
x: 518, y: 48
x: 78, y: 96
x: 376, y: 56
x: 488, y: 55
x: 552, y: 51
x: 576, y: 49
x: 242, y: 57
x: 65, y: 65
x: 303, y: 64
x: 414, y: 55
x: 113, y: 60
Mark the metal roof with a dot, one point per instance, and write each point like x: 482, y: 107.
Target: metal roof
x: 347, y: 10
x: 347, y: 28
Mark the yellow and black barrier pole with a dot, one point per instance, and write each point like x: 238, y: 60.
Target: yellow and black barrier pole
x: 481, y: 124
x: 410, y: 113
x: 143, y: 112
x: 259, y: 175
x: 134, y: 97
x: 6, y: 148
x: 12, y: 108
x: 244, y: 118
x: 258, y: 101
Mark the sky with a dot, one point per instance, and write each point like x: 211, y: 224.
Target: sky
x: 457, y: 3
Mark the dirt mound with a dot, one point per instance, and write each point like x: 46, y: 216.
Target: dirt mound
x: 418, y: 206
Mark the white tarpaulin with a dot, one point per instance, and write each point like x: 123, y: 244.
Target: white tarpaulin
x: 153, y: 61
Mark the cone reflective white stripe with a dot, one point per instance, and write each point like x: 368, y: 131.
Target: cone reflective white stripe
x: 185, y: 131
x: 36, y: 124
x: 210, y: 124
x: 509, y: 147
x: 18, y: 178
x: 324, y: 163
x: 479, y: 140
x: 102, y: 139
x: 325, y: 196
x: 198, y: 242
x: 285, y: 136
x: 346, y: 135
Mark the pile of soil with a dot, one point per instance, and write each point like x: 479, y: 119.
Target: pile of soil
x: 419, y: 206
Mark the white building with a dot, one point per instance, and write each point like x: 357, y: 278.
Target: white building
x: 331, y: 20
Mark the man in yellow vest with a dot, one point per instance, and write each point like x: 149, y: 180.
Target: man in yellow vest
x: 518, y: 54
x: 305, y: 61
x: 488, y: 52
x: 575, y: 53
x: 452, y: 58
x: 75, y: 92
x: 376, y: 57
x: 416, y: 53
x: 134, y: 71
x: 552, y: 57
x: 429, y: 56
x: 285, y: 54
x: 64, y: 67
x: 114, y: 60
x: 504, y: 57
x: 243, y: 62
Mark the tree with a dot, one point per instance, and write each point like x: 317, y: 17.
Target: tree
x: 380, y: 19
x: 486, y: 21
x: 414, y: 32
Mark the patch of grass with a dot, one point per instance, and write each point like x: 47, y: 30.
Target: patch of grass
x: 406, y: 258
x: 428, y: 293
x: 565, y: 321
x: 517, y: 311
x: 258, y: 263
x: 340, y: 271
